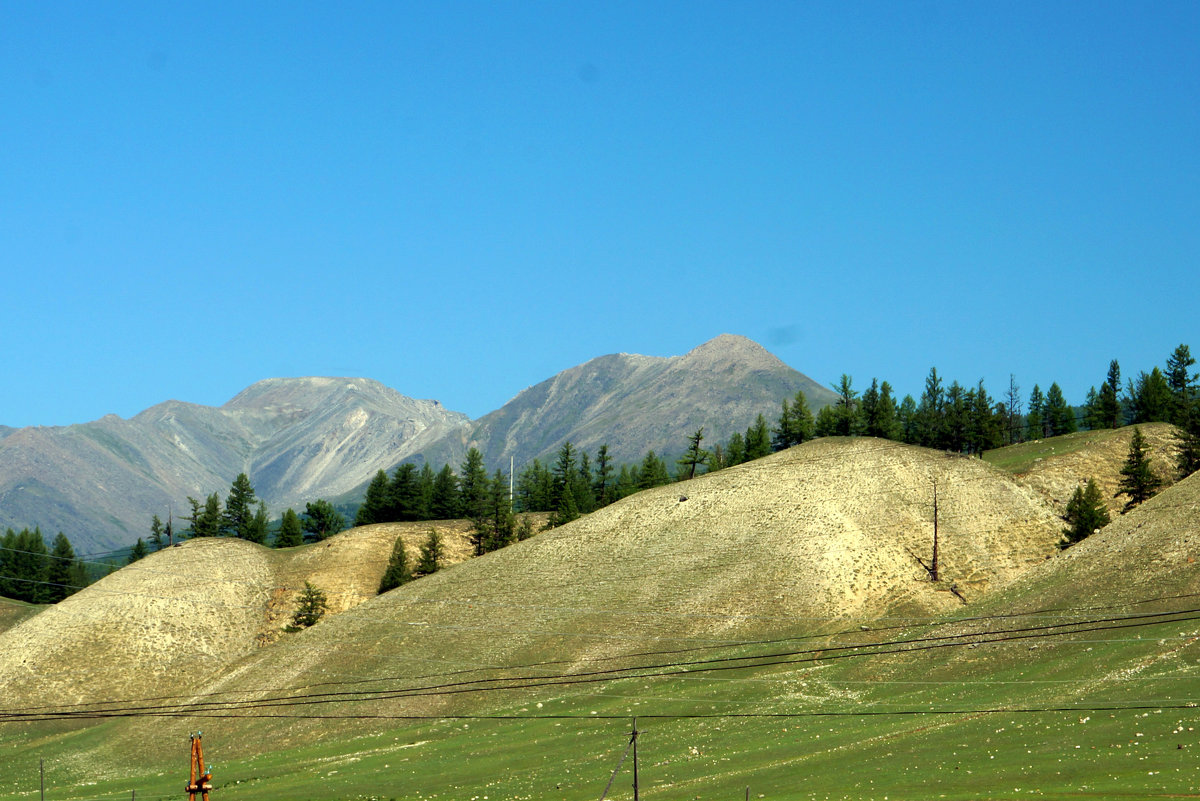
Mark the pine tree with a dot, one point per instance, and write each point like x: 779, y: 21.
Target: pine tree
x: 956, y: 415
x: 1181, y: 384
x: 930, y: 417
x: 758, y: 439
x: 847, y: 407
x: 205, y: 521
x: 1150, y: 398
x: 695, y: 455
x: 535, y: 488
x: 1187, y: 438
x: 322, y: 520
x: 1085, y: 514
x: 1091, y: 411
x: 1109, y: 399
x: 156, y: 533
x: 1059, y: 418
x: 1034, y: 425
x: 398, y: 571
x: 311, y: 607
x: 376, y: 502
x: 238, y: 504
x: 602, y: 483
x: 735, y: 451
x: 432, y: 554
x: 447, y: 502
x: 61, y: 570
x: 138, y: 552
x: 908, y: 420
x: 653, y: 472
x: 290, y: 532
x: 1013, y: 407
x: 404, y: 494
x: 585, y: 498
x: 259, y: 525
x: 425, y: 486
x: 827, y: 422
x: 1138, y: 480
x: 473, y: 479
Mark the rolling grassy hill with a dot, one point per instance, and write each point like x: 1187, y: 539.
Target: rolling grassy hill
x: 772, y: 631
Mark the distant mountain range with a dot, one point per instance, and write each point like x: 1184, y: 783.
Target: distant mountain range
x: 300, y: 439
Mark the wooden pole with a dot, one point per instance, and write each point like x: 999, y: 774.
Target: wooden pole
x: 42, y: 772
x: 635, y: 761
x: 934, y: 570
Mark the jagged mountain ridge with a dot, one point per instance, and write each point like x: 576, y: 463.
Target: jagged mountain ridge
x: 298, y: 439
x: 304, y: 438
x: 636, y: 403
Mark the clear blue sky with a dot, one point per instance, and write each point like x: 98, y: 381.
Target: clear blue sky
x: 462, y: 199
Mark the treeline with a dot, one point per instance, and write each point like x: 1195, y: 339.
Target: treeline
x: 31, y: 572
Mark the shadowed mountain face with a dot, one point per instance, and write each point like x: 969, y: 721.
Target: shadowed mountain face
x: 635, y: 404
x: 297, y: 438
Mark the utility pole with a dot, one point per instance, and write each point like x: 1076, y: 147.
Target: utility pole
x: 933, y: 570
x: 633, y: 739
x: 42, y: 771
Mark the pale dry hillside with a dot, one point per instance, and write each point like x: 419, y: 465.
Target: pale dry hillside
x: 1100, y: 456
x: 805, y: 540
x: 181, y: 616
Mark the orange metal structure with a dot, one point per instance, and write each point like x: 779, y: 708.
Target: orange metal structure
x: 201, y: 777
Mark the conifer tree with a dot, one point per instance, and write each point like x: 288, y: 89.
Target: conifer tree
x: 290, y: 532
x: 1085, y: 514
x: 205, y: 521
x: 930, y: 416
x: 585, y: 498
x: 1187, y: 438
x: 1138, y: 480
x: 847, y: 407
x: 473, y: 479
x: 1150, y: 399
x: 1109, y: 401
x: 1059, y: 418
x: 1091, y: 411
x: 431, y: 556
x: 602, y: 483
x: 312, y: 605
x: 404, y: 494
x: 735, y: 451
x: 653, y: 472
x: 447, y: 502
x: 1034, y: 424
x: 1181, y: 383
x: 156, y: 533
x: 695, y: 455
x: 827, y: 422
x: 259, y: 526
x: 322, y: 520
x: 758, y: 439
x: 236, y: 520
x: 61, y: 571
x: 908, y: 421
x: 376, y: 502
x: 425, y: 486
x: 139, y: 551
x: 398, y: 571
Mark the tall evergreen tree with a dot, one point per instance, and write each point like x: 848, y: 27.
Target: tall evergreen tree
x: 376, y: 503
x: 695, y: 455
x: 1109, y: 400
x: 1150, y: 398
x: 290, y: 533
x: 397, y: 572
x: 473, y: 480
x: 1181, y: 383
x: 1013, y: 407
x: 653, y: 472
x: 908, y: 419
x: 1034, y: 423
x: 1091, y: 411
x: 447, y: 502
x: 1059, y: 417
x: 61, y: 571
x: 827, y: 422
x: 1085, y: 515
x: 239, y: 505
x: 758, y: 439
x: 322, y: 520
x: 585, y: 498
x: 535, y: 488
x: 432, y: 554
x: 156, y: 533
x: 847, y: 404
x: 425, y: 490
x: 1187, y: 438
x: 404, y: 493
x: 603, y: 481
x: 25, y: 566
x: 205, y: 521
x: 495, y: 527
x: 782, y: 436
x: 1138, y: 480
x: 260, y: 525
x: 138, y: 552
x: 311, y: 607
x: 735, y: 451
x: 930, y: 412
